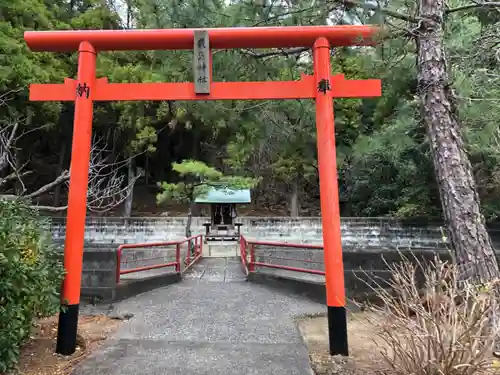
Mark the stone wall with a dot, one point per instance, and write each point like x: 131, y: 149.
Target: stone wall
x: 100, y: 268
x: 99, y: 273
x: 149, y: 256
x: 357, y: 233
x: 313, y: 259
x: 364, y: 271
x: 366, y: 241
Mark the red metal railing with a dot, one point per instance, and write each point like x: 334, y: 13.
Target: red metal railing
x: 195, y: 245
x: 243, y: 253
x: 248, y: 249
x: 193, y: 253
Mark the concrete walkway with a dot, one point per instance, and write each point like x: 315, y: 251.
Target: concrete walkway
x: 213, y: 322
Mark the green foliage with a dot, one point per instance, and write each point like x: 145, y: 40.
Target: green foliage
x: 30, y: 277
x: 385, y: 171
x: 198, y: 178
x: 382, y: 150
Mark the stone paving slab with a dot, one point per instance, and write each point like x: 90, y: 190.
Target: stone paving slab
x: 217, y: 269
x: 149, y: 273
x: 320, y: 279
x: 204, y: 358
x: 207, y: 325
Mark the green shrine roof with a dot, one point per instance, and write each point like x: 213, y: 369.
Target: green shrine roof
x: 225, y: 195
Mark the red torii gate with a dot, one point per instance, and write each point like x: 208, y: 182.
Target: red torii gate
x: 87, y: 88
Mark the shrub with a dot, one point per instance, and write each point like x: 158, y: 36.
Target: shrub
x: 447, y: 327
x: 30, y: 277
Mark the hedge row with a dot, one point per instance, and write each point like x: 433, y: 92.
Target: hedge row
x: 30, y: 277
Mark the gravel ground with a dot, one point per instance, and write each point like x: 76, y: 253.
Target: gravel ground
x: 213, y: 322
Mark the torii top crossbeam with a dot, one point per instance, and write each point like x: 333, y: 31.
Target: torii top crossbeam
x: 221, y: 38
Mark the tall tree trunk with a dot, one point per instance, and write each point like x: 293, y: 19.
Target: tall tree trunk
x: 189, y: 219
x: 18, y: 152
x: 129, y: 14
x: 60, y: 165
x: 195, y: 209
x: 127, y: 210
x: 18, y: 186
x: 195, y: 142
x: 460, y: 201
x: 146, y: 171
x: 294, y: 199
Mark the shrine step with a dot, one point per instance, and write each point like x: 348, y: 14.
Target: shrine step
x: 222, y: 249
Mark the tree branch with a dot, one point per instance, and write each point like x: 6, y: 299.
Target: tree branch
x: 281, y: 52
x: 13, y: 176
x: 41, y: 208
x: 106, y: 185
x: 50, y: 208
x: 387, y: 11
x: 6, y: 145
x: 473, y: 6
x: 59, y: 180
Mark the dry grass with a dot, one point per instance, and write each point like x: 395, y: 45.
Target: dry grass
x: 38, y: 355
x: 446, y: 328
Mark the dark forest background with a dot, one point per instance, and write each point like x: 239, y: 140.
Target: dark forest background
x: 383, y: 154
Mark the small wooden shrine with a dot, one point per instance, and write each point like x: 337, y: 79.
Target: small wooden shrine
x: 223, y: 213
